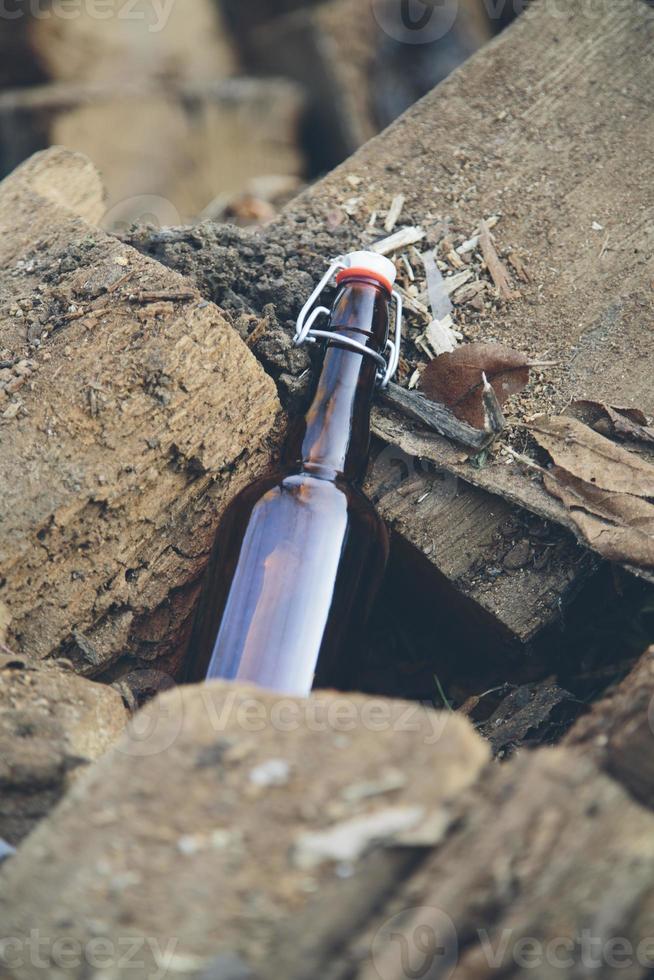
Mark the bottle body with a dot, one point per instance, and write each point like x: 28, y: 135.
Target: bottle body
x: 300, y: 553
x: 295, y: 568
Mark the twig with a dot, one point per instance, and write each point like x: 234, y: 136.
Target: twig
x: 119, y: 282
x: 162, y: 297
x: 525, y: 460
x: 437, y: 417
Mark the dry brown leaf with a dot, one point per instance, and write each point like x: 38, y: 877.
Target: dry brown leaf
x: 592, y: 458
x: 455, y: 379
x: 618, y: 525
x: 629, y: 424
x: 605, y: 488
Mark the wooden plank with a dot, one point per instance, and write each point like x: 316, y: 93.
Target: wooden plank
x: 126, y: 424
x: 466, y: 152
x: 515, y: 571
x: 588, y: 302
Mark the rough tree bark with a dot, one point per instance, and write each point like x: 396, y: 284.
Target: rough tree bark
x: 618, y: 732
x: 131, y: 412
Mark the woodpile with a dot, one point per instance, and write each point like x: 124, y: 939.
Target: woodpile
x: 146, y: 375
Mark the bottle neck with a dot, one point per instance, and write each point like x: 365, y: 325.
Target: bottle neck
x: 335, y: 437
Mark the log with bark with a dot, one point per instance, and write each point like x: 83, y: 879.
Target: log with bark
x: 130, y: 412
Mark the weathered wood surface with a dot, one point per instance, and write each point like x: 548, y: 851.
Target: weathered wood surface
x: 550, y: 873
x: 130, y: 413
x: 472, y: 147
x: 271, y: 819
x: 235, y: 835
x: 52, y: 725
x: 181, y: 145
x: 511, y: 571
x: 618, y: 733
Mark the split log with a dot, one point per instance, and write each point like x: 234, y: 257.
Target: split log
x: 618, y: 733
x: 550, y: 873
x: 181, y: 146
x: 130, y: 414
x: 52, y: 725
x: 348, y: 851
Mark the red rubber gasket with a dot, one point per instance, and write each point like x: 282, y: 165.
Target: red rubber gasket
x: 352, y: 273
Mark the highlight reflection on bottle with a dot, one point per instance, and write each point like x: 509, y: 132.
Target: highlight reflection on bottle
x: 301, y: 552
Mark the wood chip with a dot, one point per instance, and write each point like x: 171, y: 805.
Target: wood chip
x: 440, y: 336
x: 495, y: 265
x: 394, y: 212
x: 401, y: 238
x: 437, y: 293
x: 454, y: 260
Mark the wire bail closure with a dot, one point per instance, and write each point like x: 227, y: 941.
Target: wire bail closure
x: 307, y: 333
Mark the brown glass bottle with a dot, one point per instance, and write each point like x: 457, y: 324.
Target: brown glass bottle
x: 300, y: 553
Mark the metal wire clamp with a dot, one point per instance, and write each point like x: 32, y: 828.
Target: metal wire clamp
x: 307, y: 333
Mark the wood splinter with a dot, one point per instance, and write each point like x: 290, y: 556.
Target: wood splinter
x: 495, y: 265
